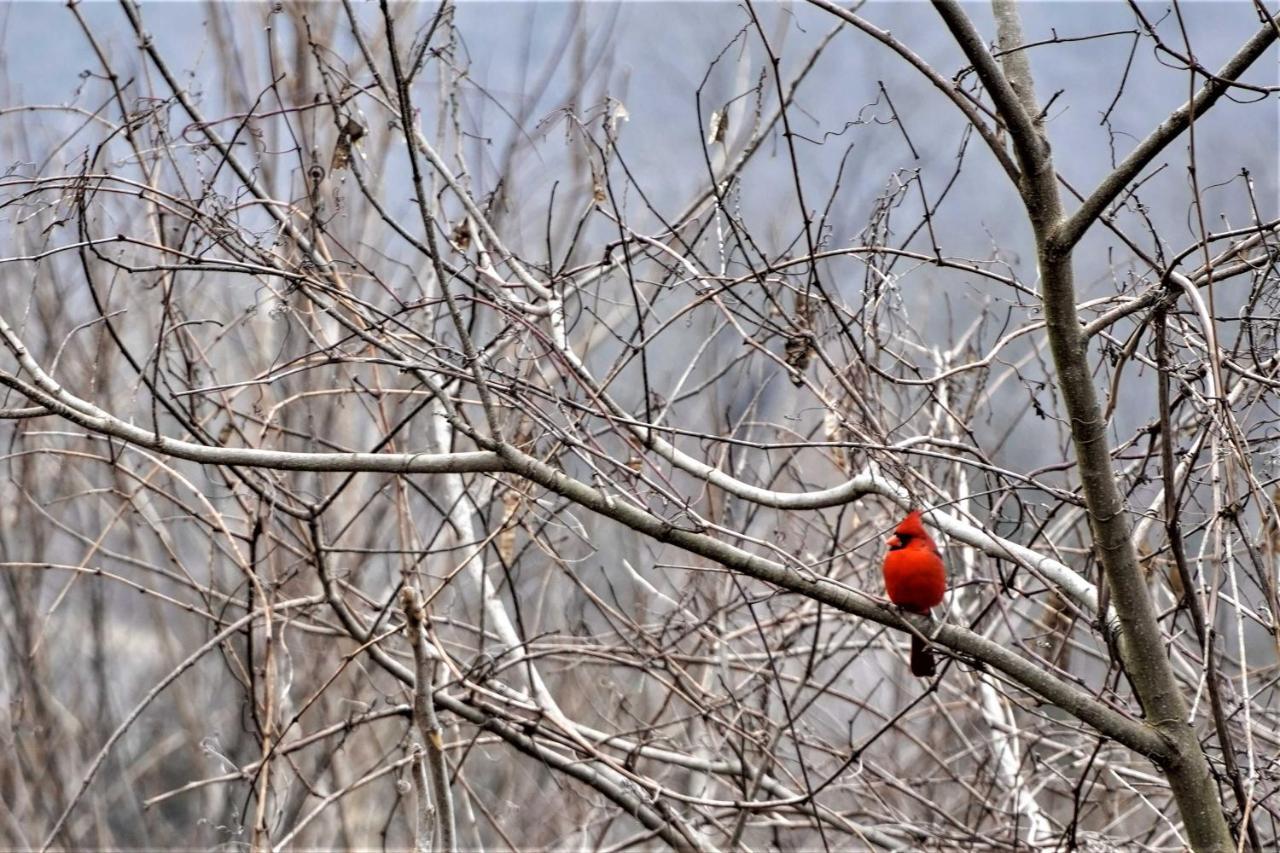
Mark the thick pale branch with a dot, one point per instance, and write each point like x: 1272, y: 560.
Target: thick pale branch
x: 1077, y: 588
x: 1025, y: 672
x: 277, y: 460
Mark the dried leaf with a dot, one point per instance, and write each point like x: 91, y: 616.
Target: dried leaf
x: 507, y: 537
x: 798, y: 353
x: 618, y: 114
x: 718, y: 126
x: 461, y: 236
x: 350, y: 133
x: 804, y: 309
x: 834, y: 433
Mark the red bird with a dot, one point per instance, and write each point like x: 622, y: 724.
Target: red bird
x: 915, y: 579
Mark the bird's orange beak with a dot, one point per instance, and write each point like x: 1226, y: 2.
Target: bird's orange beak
x: 894, y: 542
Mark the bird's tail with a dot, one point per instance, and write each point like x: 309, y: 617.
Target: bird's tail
x: 921, y: 659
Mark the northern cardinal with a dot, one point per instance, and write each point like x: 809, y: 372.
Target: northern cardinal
x: 915, y: 579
